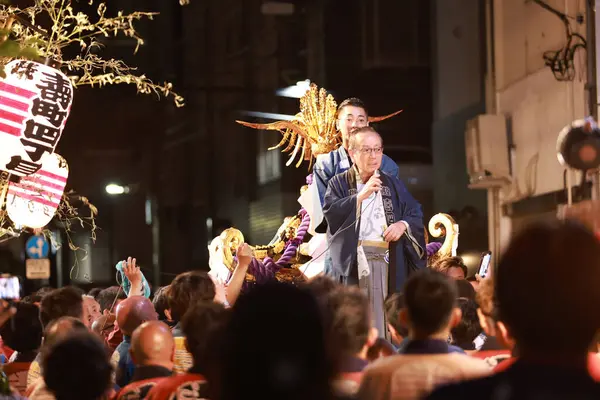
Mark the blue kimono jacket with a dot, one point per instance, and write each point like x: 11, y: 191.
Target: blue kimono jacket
x: 340, y: 211
x: 329, y: 165
x: 125, y: 364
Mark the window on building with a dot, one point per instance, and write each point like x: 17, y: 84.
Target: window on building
x: 395, y: 33
x: 268, y: 161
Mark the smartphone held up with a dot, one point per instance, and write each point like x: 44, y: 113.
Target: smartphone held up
x: 10, y: 288
x: 484, y: 265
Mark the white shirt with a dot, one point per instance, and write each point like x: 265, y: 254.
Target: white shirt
x: 372, y: 221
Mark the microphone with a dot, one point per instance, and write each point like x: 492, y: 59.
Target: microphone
x: 376, y: 173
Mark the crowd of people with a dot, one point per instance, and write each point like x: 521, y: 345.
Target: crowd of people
x: 526, y: 331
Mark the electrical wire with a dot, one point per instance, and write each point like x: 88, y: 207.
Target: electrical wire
x: 561, y: 62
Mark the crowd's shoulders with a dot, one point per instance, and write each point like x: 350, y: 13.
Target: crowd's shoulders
x: 137, y: 387
x: 188, y: 382
x: 476, y: 388
x: 38, y: 390
x: 414, y: 374
x: 385, y: 364
x: 521, y: 381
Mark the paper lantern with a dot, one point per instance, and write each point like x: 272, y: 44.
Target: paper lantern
x: 33, y: 201
x: 35, y: 101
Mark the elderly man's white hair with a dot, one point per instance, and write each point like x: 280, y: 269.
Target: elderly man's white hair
x: 358, y: 131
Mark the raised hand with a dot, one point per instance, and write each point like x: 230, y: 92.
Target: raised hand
x: 133, y: 273
x: 244, y: 254
x: 132, y: 270
x: 220, y: 290
x: 373, y: 185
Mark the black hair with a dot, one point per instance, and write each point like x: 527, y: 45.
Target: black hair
x: 77, y: 368
x: 31, y: 299
x: 161, y: 302
x: 429, y: 297
x: 106, y: 298
x: 44, y: 291
x: 465, y: 289
x: 24, y: 333
x: 261, y: 364
x: 95, y: 292
x: 393, y: 305
x: 354, y: 102
x: 351, y: 322
x: 321, y: 286
x: 186, y: 289
x: 203, y: 325
x: 468, y: 328
x: 63, y: 302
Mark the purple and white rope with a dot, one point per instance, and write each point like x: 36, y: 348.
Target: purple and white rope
x: 433, y: 248
x: 266, y: 270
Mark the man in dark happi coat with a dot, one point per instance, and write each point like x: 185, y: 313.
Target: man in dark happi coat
x: 352, y: 114
x: 375, y: 227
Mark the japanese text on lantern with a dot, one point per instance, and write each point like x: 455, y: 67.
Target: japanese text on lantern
x: 35, y: 101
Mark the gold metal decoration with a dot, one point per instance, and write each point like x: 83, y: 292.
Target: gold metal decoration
x: 312, y: 131
x: 286, y: 231
x: 443, y: 225
x: 230, y: 240
x: 225, y: 246
x: 384, y: 117
x: 290, y: 275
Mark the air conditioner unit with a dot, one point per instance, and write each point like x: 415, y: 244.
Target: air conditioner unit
x: 487, y: 152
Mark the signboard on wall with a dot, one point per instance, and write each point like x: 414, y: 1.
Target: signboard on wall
x: 37, y: 268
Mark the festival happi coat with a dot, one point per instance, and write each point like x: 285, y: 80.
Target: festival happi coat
x: 297, y: 253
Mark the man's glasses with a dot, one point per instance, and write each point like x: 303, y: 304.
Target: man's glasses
x: 376, y: 150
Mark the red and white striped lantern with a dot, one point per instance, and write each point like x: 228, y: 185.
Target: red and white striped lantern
x: 35, y: 102
x: 33, y: 201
